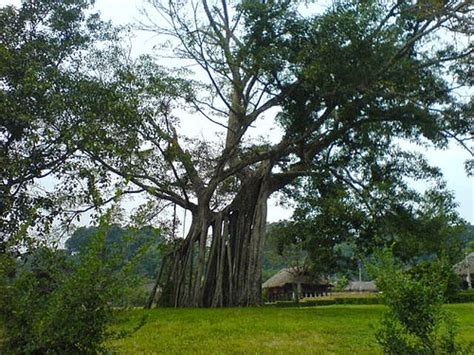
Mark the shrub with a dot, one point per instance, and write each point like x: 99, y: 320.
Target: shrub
x: 328, y: 302
x: 341, y: 284
x: 463, y: 297
x: 56, y: 305
x: 415, y: 323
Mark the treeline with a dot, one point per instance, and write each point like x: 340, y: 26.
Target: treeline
x: 297, y: 243
x: 140, y: 246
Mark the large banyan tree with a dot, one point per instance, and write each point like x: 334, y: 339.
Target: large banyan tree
x: 343, y: 83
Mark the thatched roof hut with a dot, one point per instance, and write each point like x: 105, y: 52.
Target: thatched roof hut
x: 287, y: 284
x: 362, y: 286
x: 465, y: 269
x: 286, y: 276
x: 466, y: 264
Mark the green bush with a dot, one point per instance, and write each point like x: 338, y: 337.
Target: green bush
x: 341, y: 284
x: 55, y: 305
x: 358, y: 300
x: 416, y: 322
x: 326, y: 302
x: 135, y: 293
x: 463, y: 297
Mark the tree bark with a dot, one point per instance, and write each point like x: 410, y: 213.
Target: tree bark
x: 219, y: 264
x: 152, y: 295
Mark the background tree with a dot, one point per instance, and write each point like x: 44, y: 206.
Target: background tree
x: 43, y: 48
x: 345, y: 220
x: 272, y: 260
x: 349, y: 83
x: 468, y: 238
x: 127, y: 242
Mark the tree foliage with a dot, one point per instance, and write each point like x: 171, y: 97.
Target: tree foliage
x: 415, y: 323
x: 44, y: 46
x: 143, y: 244
x: 53, y: 304
x: 343, y: 222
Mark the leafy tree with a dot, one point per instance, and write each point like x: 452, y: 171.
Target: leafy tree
x: 288, y: 244
x: 272, y: 260
x: 349, y: 83
x: 468, y: 238
x: 124, y: 241
x: 320, y: 254
x: 343, y: 222
x: 43, y: 90
x: 56, y: 305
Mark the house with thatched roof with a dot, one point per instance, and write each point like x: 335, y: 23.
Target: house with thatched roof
x: 290, y: 284
x: 361, y: 286
x: 465, y: 269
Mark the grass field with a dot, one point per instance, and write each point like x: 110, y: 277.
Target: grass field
x: 339, y: 329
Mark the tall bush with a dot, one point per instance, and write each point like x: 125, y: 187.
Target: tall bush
x: 416, y: 322
x: 55, y: 305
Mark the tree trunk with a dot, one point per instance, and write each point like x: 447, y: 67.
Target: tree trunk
x: 219, y: 264
x: 152, y: 296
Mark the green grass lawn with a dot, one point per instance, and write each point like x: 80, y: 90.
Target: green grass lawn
x: 338, y: 329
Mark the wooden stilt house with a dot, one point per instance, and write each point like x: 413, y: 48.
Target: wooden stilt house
x: 288, y: 284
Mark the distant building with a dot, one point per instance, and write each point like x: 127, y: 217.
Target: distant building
x: 288, y: 283
x: 361, y: 286
x: 465, y: 269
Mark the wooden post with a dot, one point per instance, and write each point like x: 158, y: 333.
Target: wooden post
x: 468, y: 273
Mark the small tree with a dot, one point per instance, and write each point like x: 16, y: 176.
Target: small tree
x: 290, y: 247
x: 415, y: 323
x: 342, y: 283
x: 56, y: 305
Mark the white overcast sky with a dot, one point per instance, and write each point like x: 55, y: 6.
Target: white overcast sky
x: 451, y: 161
